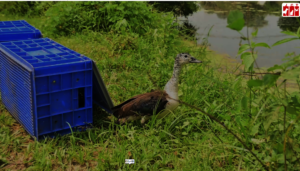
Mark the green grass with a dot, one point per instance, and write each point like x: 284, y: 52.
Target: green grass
x: 185, y: 140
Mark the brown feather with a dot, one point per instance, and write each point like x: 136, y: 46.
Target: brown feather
x: 141, y: 105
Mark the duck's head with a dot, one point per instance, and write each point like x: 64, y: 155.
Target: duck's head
x: 185, y: 58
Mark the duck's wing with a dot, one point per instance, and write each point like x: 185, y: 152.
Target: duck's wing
x: 143, y: 104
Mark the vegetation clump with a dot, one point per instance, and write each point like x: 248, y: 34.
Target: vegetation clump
x: 65, y: 18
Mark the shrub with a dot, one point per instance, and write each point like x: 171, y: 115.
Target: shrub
x: 178, y: 8
x: 65, y: 18
x: 16, y: 8
x: 42, y: 6
x: 29, y: 8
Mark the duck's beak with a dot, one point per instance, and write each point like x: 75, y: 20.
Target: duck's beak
x: 194, y: 60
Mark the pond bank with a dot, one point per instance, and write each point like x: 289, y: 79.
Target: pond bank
x: 266, y: 19
x: 225, y: 64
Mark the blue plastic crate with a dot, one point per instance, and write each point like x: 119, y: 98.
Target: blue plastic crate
x: 45, y: 86
x: 18, y: 30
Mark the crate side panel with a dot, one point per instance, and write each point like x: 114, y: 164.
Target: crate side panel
x: 16, y: 92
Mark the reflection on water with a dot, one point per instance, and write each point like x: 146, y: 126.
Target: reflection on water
x: 225, y: 40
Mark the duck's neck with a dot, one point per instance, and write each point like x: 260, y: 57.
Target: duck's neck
x: 172, y: 86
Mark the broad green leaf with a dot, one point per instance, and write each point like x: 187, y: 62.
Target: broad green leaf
x: 254, y: 83
x: 274, y: 155
x: 297, y: 149
x: 234, y: 15
x: 297, y: 98
x: 262, y: 45
x: 245, y: 55
x: 237, y: 25
x: 270, y: 79
x: 275, y: 67
x: 294, y: 106
x: 298, y: 32
x: 235, y: 20
x: 289, y: 33
x: 252, y: 44
x: 280, y: 158
x: 243, y: 48
x: 284, y: 41
x: 255, y: 128
x: 248, y: 60
x: 244, y: 103
x: 254, y: 34
x: 292, y: 110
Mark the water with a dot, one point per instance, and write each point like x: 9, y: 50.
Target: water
x: 226, y: 41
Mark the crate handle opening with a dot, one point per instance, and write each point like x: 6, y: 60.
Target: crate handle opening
x: 81, y: 98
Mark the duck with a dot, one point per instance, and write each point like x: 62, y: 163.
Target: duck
x: 156, y: 102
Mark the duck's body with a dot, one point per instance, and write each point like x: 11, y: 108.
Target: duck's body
x: 160, y: 102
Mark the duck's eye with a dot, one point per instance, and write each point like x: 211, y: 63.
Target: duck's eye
x: 185, y: 56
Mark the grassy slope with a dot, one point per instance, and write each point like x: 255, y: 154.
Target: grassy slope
x: 185, y: 140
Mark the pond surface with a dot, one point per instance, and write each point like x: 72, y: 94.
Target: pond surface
x: 226, y: 41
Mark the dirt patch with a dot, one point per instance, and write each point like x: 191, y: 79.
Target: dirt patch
x: 17, y: 161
